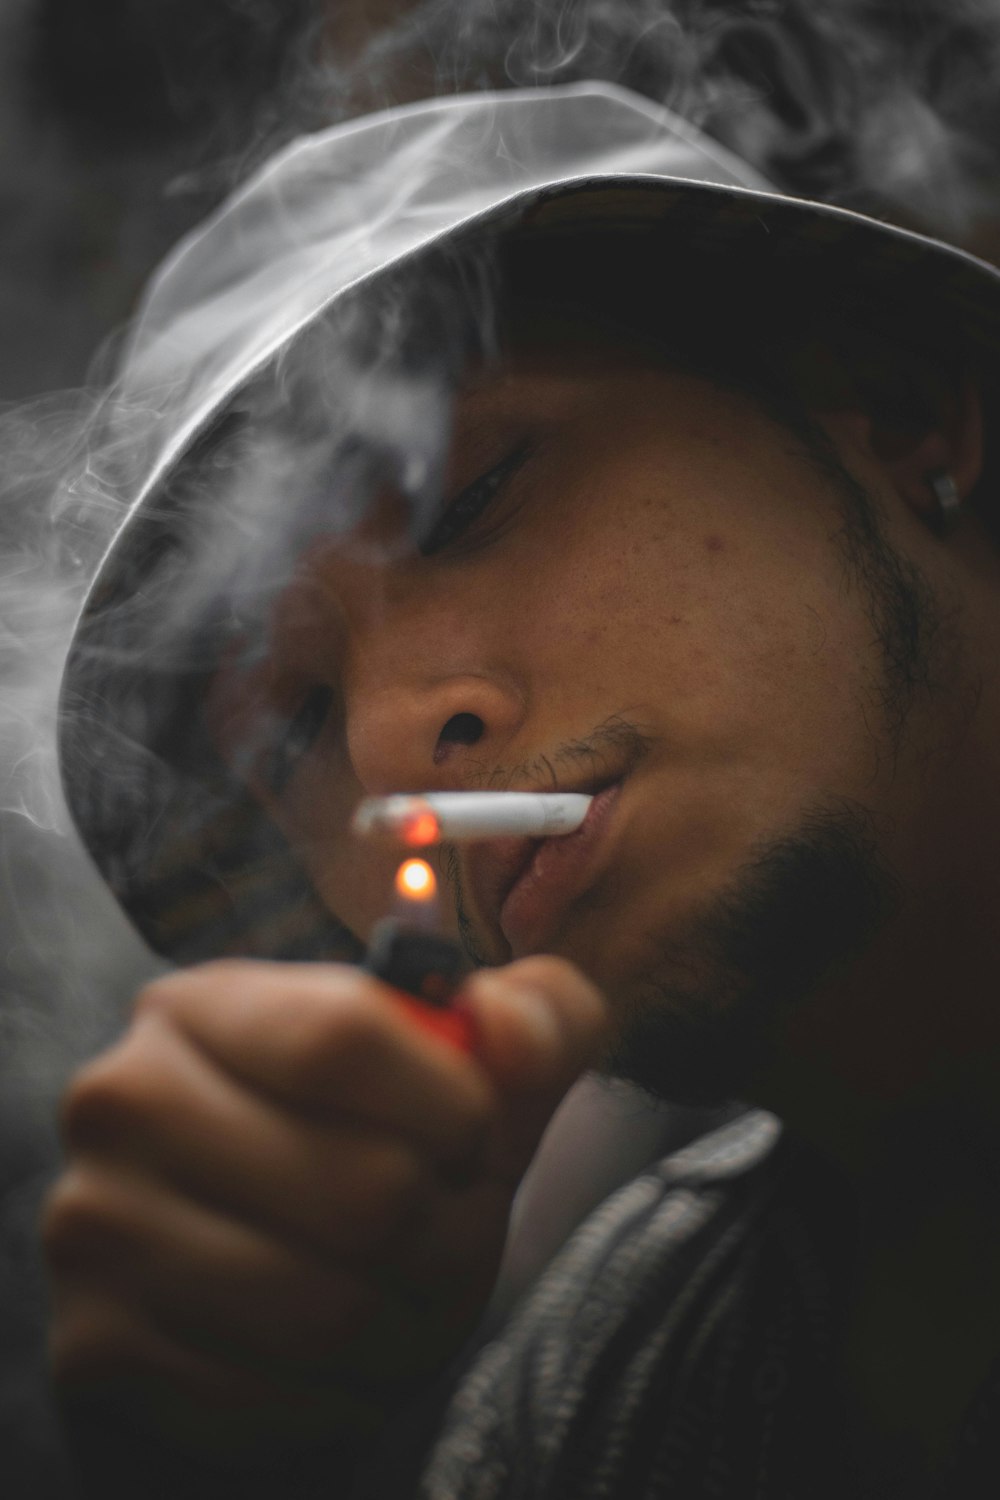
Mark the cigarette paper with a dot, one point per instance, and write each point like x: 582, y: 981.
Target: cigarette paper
x: 446, y: 817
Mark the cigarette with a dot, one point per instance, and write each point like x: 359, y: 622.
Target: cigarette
x: 439, y: 817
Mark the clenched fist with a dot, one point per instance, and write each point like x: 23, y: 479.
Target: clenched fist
x: 285, y: 1204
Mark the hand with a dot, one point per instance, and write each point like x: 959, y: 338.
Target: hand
x: 285, y: 1204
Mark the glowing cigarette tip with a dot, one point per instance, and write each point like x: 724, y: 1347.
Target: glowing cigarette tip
x: 419, y: 821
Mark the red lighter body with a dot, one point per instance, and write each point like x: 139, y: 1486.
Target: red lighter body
x: 425, y: 969
x: 451, y: 1025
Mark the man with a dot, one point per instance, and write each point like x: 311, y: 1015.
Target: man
x: 527, y: 441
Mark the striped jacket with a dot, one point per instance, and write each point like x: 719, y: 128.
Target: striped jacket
x: 681, y: 1347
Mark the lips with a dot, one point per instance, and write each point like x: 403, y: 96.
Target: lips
x: 524, y: 885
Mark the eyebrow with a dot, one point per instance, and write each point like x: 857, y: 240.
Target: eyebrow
x: 499, y: 395
x: 483, y: 401
x: 481, y: 412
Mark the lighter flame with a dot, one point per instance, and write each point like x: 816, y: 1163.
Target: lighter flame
x: 415, y: 881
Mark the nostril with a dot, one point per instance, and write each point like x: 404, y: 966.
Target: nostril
x: 461, y: 729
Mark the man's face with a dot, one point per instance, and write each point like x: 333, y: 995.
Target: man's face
x: 638, y: 586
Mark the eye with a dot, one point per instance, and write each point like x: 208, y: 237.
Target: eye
x: 303, y: 728
x: 472, y: 503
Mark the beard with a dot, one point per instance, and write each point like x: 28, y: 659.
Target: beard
x: 703, y: 1026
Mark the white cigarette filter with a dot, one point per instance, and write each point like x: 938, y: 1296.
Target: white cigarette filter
x: 445, y: 817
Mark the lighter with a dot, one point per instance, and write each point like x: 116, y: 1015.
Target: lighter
x: 422, y: 965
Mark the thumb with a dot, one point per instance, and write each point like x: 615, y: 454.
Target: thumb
x: 539, y: 1023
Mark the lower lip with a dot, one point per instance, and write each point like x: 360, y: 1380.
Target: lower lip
x: 558, y: 872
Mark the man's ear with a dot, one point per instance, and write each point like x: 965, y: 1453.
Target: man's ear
x: 950, y: 445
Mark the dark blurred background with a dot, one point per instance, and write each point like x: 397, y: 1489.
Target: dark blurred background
x: 122, y: 122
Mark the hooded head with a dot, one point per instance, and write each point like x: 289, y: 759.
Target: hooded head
x: 311, y: 369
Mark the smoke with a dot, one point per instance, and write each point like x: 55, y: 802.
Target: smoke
x: 338, y: 419
x: 889, y: 106
x: 68, y: 959
x: 150, y: 111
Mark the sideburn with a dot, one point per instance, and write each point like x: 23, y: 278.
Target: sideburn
x: 905, y: 613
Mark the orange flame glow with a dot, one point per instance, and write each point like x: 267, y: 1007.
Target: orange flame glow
x: 416, y: 881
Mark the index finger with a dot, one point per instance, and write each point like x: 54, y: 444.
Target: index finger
x: 327, y: 1041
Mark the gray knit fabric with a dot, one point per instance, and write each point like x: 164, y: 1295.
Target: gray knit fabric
x: 683, y: 1346
x: 560, y: 1403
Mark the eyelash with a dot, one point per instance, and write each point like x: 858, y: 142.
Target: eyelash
x: 472, y: 503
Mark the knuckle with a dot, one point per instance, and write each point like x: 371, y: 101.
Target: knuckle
x: 548, y: 969
x: 87, y: 1343
x: 158, y: 995
x: 77, y: 1220
x: 216, y: 973
x: 102, y: 1100
x: 560, y: 979
x: 331, y: 1040
x: 69, y: 1212
x: 168, y: 991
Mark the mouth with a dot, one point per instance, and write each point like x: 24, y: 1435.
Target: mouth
x: 523, y: 886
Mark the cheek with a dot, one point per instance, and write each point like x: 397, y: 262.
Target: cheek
x: 728, y: 649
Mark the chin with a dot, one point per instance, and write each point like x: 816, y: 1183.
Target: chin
x: 700, y: 1024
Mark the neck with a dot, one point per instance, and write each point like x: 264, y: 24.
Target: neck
x: 892, y: 1076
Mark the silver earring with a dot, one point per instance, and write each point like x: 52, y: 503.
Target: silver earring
x: 949, y: 501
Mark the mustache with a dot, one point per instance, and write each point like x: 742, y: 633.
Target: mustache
x: 612, y: 750
x: 615, y: 747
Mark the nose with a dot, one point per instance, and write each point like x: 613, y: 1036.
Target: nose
x: 443, y: 730
x: 432, y: 680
